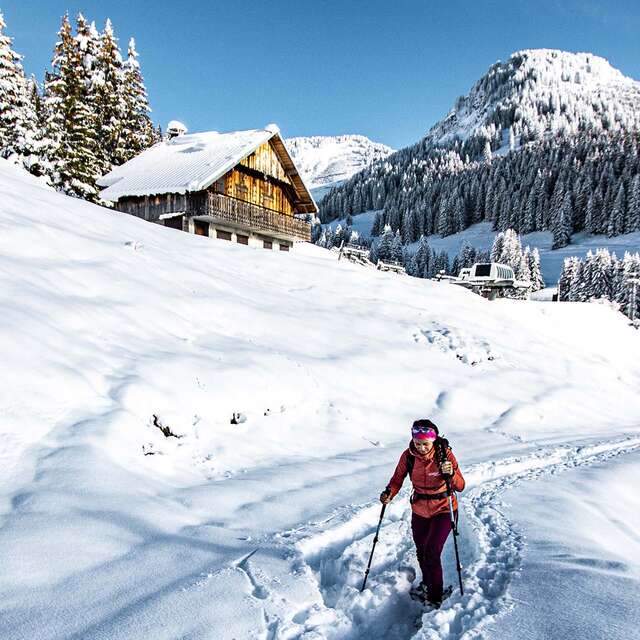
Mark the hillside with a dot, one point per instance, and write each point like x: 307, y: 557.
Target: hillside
x: 547, y: 141
x: 113, y: 326
x: 327, y: 161
x: 538, y: 92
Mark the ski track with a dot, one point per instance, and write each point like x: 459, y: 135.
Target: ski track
x: 333, y: 553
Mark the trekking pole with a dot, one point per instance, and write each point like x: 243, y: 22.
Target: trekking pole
x: 454, y: 525
x: 375, y: 540
x: 454, y: 529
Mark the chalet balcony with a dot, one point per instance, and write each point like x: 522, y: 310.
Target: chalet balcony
x: 249, y: 216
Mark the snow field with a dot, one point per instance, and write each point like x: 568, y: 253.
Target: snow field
x: 491, y: 550
x: 109, y: 529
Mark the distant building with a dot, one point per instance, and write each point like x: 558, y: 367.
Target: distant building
x: 241, y: 186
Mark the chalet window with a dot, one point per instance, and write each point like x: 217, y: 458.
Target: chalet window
x: 174, y: 223
x: 267, y: 244
x: 284, y: 247
x: 201, y: 228
x: 223, y: 235
x: 242, y: 239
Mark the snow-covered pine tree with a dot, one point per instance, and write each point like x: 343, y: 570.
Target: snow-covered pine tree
x: 535, y: 271
x: 36, y: 163
x: 496, y: 248
x: 586, y: 290
x: 373, y: 251
x: 444, y: 217
x: 632, y: 271
x: 511, y: 252
x: 523, y: 273
x: 18, y: 121
x: 328, y: 238
x: 577, y: 287
x: 455, y: 265
x: 88, y: 42
x: 410, y: 264
x: 417, y: 218
x: 467, y: 255
x: 422, y: 257
x: 567, y: 276
x: 396, y: 248
x: 562, y: 223
x: 634, y: 204
x: 589, y: 219
x: 378, y: 225
x: 486, y: 152
x: 316, y: 230
x: 616, y: 225
x: 137, y: 131
x: 601, y: 275
x: 619, y: 290
x: 108, y: 87
x: 72, y: 148
x: 529, y: 223
x: 384, y: 247
x: 407, y: 228
x: 338, y: 236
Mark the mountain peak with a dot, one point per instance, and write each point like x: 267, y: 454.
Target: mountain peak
x: 326, y: 161
x: 536, y: 92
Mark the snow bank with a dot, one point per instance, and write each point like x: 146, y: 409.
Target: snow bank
x: 581, y: 568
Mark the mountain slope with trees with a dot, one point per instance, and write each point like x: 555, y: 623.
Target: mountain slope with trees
x: 546, y: 141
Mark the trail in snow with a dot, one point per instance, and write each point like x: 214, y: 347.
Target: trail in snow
x: 333, y: 554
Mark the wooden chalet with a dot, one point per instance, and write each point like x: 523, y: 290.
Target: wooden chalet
x: 241, y: 187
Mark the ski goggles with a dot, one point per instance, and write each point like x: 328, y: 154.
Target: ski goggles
x: 424, y: 433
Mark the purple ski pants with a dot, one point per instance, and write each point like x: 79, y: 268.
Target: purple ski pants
x: 429, y: 535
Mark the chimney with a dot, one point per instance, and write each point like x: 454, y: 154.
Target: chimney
x: 175, y: 129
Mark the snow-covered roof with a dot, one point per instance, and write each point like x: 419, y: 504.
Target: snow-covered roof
x: 193, y: 162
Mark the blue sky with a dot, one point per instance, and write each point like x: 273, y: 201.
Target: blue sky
x: 388, y: 70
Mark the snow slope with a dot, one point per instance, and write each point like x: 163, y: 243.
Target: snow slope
x: 326, y: 161
x: 582, y: 548
x: 261, y: 529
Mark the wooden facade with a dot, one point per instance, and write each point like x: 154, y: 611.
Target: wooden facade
x: 257, y: 193
x: 247, y: 216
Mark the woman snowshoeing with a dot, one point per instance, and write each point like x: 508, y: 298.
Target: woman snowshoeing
x: 429, y: 463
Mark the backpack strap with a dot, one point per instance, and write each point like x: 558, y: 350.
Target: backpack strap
x: 411, y: 460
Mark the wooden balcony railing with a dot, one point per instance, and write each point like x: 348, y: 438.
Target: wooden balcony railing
x: 250, y: 216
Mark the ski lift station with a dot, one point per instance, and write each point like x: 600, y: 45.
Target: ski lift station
x: 493, y: 272
x: 490, y: 280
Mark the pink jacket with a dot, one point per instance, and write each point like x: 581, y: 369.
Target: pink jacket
x: 426, y: 478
